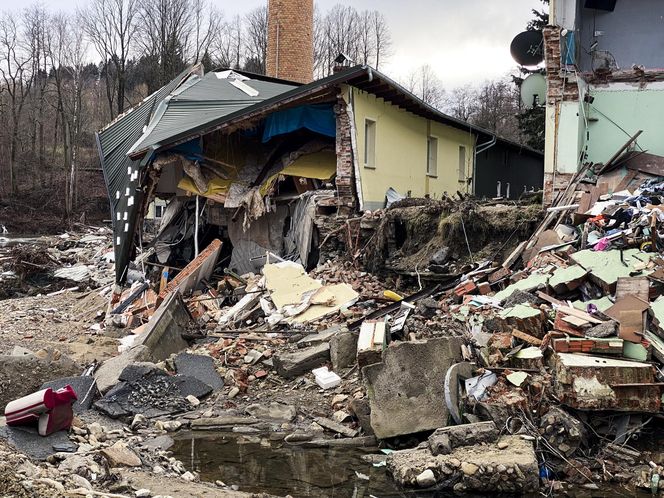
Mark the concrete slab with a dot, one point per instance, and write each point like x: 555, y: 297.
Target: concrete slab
x: 596, y: 383
x: 296, y: 363
x: 201, y: 367
x: 406, y: 390
x: 163, y: 333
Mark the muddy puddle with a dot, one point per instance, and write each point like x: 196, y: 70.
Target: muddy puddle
x: 255, y: 463
x: 264, y: 463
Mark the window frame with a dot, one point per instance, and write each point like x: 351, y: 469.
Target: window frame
x: 432, y: 173
x: 369, y: 159
x: 462, y: 173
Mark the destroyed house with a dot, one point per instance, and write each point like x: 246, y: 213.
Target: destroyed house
x: 254, y: 158
x: 604, y: 85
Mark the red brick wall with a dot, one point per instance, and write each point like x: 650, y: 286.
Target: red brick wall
x: 290, y: 46
x: 345, y: 180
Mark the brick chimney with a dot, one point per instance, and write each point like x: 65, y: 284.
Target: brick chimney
x: 290, y: 44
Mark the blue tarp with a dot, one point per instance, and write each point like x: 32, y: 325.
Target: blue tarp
x: 318, y: 118
x: 192, y: 149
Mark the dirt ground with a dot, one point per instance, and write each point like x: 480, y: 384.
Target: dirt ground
x: 59, y: 322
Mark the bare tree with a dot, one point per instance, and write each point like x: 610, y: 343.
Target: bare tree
x: 111, y: 26
x: 15, y: 70
x: 227, y: 49
x: 461, y: 102
x: 206, y: 21
x: 382, y: 37
x: 256, y: 40
x: 425, y: 84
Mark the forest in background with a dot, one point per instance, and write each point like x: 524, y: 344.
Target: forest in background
x: 63, y: 76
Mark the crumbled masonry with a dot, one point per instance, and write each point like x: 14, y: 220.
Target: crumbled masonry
x: 510, y: 374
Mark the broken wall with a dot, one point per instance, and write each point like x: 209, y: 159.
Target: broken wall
x: 631, y: 34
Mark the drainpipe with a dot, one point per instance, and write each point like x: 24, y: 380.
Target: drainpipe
x: 478, y: 150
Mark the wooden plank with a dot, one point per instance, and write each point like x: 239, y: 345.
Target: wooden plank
x: 526, y: 337
x: 569, y: 310
x: 624, y: 183
x: 622, y: 149
x: 575, y: 321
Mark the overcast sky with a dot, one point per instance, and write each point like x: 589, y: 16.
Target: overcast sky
x: 465, y: 42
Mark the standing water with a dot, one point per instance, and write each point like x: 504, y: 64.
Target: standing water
x: 256, y: 463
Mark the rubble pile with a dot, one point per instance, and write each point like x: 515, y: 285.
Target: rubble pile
x: 478, y: 373
x: 78, y: 259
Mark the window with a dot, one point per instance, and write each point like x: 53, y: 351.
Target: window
x: 369, y: 143
x: 432, y: 156
x: 462, y: 163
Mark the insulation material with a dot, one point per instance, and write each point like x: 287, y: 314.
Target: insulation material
x: 303, y: 298
x: 319, y: 165
x: 217, y: 188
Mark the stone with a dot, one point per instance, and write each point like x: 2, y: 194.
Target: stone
x: 341, y: 416
x: 188, y: 476
x: 224, y: 421
x: 272, y: 411
x: 142, y: 493
x: 296, y: 363
x: 233, y: 392
x: 168, y: 425
x: 445, y: 439
x: 84, y: 386
x: 109, y: 372
x: 119, y: 455
x: 469, y: 469
x: 336, y: 427
x: 406, y: 390
x: 163, y: 333
x: 162, y: 442
x: 23, y: 375
x: 200, y: 367
x: 193, y: 400
x: 80, y: 481
x: 190, y: 386
x: 502, y: 445
x: 362, y: 411
x: 51, y: 483
x: 139, y: 422
x: 426, y: 479
x: 606, y: 329
x: 343, y: 350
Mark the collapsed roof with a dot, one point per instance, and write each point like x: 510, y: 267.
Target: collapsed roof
x: 195, y: 104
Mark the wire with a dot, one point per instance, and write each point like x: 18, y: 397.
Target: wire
x: 616, y: 124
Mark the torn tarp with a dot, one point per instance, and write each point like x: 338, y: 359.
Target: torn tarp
x: 318, y: 118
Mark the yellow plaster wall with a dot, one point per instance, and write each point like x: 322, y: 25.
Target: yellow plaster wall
x: 401, y: 152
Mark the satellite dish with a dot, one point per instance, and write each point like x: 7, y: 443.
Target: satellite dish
x: 527, y: 48
x: 533, y: 90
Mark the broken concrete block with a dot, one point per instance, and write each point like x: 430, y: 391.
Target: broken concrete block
x: 296, y: 363
x: 163, y: 333
x: 481, y: 468
x: 446, y: 439
x: 343, y: 350
x: 200, y: 367
x: 362, y: 411
x: 562, y: 430
x: 525, y: 318
x: 567, y: 279
x: 109, y: 372
x: 22, y: 375
x: 596, y: 383
x: 406, y: 391
x: 371, y: 342
x: 323, y: 336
